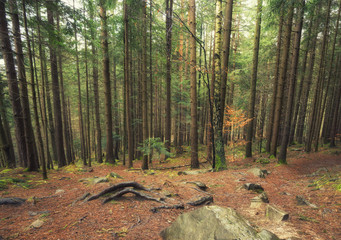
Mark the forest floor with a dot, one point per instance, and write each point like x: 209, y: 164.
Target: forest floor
x: 315, y: 176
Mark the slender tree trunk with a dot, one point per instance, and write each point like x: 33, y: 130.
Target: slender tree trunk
x: 218, y: 121
x: 127, y: 87
x: 145, y: 134
x: 275, y: 84
x: 194, y: 114
x: 106, y: 80
x: 292, y: 83
x: 314, y: 124
x: 34, y: 97
x: 95, y: 84
x: 6, y: 142
x: 55, y: 89
x: 169, y: 13
x: 32, y: 157
x: 251, y: 113
x: 281, y: 81
x: 12, y: 85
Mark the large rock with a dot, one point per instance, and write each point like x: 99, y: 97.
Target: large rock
x: 258, y: 172
x: 213, y: 222
x: 275, y: 214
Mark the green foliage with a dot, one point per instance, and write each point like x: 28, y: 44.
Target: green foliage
x: 154, y: 144
x: 272, y: 157
x: 263, y: 160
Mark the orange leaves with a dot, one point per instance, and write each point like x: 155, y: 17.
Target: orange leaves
x: 234, y: 119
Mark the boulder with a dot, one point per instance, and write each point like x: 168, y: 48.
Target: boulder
x: 258, y: 172
x: 194, y: 172
x: 199, y: 184
x: 37, y: 223
x: 12, y: 201
x: 300, y: 200
x: 253, y: 187
x: 100, y: 180
x: 275, y: 214
x: 257, y: 201
x: 213, y: 222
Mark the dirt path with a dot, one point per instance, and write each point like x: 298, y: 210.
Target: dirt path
x: 131, y: 218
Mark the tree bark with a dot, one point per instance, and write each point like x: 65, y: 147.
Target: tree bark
x: 292, y: 84
x: 251, y: 113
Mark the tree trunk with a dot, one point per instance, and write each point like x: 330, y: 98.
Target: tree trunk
x: 12, y: 85
x: 194, y: 114
x: 127, y: 87
x: 292, y: 83
x: 55, y: 89
x: 106, y: 80
x: 32, y: 157
x: 251, y: 113
x: 218, y: 121
x: 281, y: 81
x: 34, y: 97
x: 275, y: 84
x: 169, y: 13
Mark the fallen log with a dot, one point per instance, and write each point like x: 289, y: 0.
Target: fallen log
x: 129, y: 190
x: 118, y: 187
x: 203, y: 200
x: 177, y: 206
x: 12, y: 201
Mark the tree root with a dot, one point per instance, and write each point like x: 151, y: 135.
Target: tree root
x: 129, y: 190
x: 174, y: 167
x: 118, y: 187
x: 177, y: 206
x: 203, y: 200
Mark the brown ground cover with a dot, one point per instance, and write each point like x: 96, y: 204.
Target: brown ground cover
x: 314, y: 176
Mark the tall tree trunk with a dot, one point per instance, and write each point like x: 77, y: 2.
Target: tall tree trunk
x: 218, y: 121
x: 6, y: 142
x: 281, y: 81
x: 145, y: 133
x: 12, y: 85
x: 34, y: 97
x: 55, y: 89
x: 169, y: 13
x: 95, y: 84
x: 275, y: 84
x: 314, y: 124
x: 194, y: 114
x: 292, y: 83
x: 80, y: 107
x: 32, y: 157
x: 127, y: 87
x: 251, y: 113
x: 106, y: 80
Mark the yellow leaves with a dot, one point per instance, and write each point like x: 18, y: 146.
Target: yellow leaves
x: 234, y: 119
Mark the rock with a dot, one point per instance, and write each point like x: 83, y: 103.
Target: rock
x: 265, y: 234
x: 302, y: 201
x: 256, y: 202
x: 114, y: 175
x: 100, y: 180
x: 210, y: 223
x: 253, y: 187
x: 275, y: 214
x: 59, y: 191
x: 38, y: 213
x: 200, y: 185
x: 37, y: 223
x: 258, y: 172
x: 318, y: 172
x: 12, y: 201
x: 194, y: 172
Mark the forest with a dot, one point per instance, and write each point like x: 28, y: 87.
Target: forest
x: 150, y: 86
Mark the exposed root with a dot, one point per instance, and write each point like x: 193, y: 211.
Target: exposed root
x: 118, y: 187
x: 177, y: 206
x: 203, y: 200
x: 129, y: 190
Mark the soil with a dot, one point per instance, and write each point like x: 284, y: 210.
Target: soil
x: 314, y: 176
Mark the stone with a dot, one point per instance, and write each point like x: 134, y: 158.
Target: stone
x: 258, y: 172
x: 100, y: 180
x: 275, y: 214
x: 114, y: 175
x: 300, y: 200
x: 38, y: 213
x: 59, y: 191
x: 37, y: 223
x: 200, y: 185
x: 258, y: 201
x: 12, y: 201
x: 253, y: 187
x: 194, y: 172
x: 265, y: 234
x: 210, y: 223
